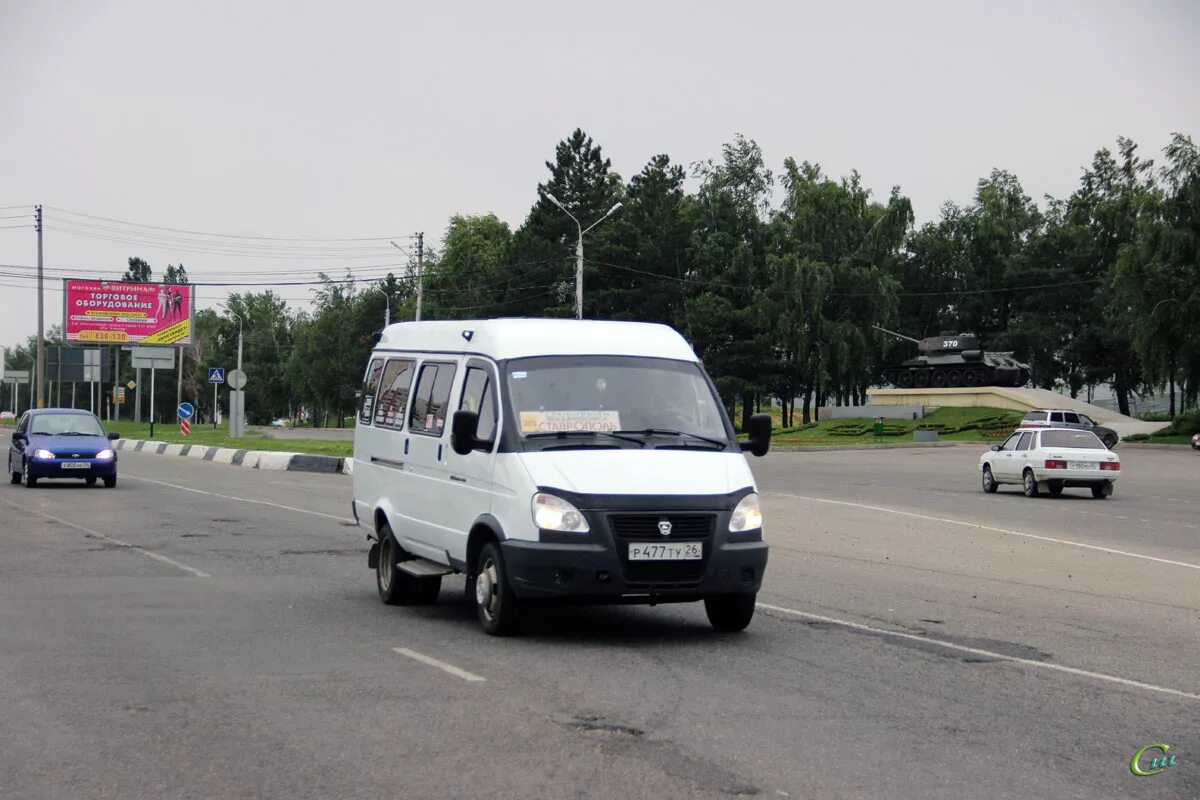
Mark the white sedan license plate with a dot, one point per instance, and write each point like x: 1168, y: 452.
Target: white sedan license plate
x: 1082, y: 465
x: 684, y: 551
x: 76, y: 465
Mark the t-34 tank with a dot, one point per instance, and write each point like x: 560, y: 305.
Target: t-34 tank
x: 954, y: 359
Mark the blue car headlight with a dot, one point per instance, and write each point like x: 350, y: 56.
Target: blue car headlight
x: 40, y: 453
x: 104, y: 455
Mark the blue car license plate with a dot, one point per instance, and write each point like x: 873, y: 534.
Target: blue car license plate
x: 75, y: 465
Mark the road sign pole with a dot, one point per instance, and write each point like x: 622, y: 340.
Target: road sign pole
x: 214, y: 408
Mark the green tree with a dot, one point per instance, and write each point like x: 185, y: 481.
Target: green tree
x: 542, y: 278
x: 175, y: 275
x: 138, y: 271
x: 1157, y: 276
x: 470, y: 269
x: 723, y: 317
x: 647, y: 244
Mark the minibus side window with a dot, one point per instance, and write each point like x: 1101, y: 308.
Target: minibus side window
x: 393, y: 399
x: 431, y: 399
x: 477, y: 396
x: 370, y: 386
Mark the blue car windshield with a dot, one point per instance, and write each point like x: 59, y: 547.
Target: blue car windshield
x: 66, y: 425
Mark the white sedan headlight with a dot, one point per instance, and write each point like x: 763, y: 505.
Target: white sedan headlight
x: 555, y: 514
x: 747, y: 515
x: 40, y: 453
x: 104, y: 455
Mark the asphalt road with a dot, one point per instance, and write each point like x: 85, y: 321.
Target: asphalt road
x: 210, y: 631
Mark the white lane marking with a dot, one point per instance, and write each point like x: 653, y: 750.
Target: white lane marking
x: 442, y: 665
x: 240, y: 499
x: 113, y: 540
x: 986, y: 653
x: 988, y: 528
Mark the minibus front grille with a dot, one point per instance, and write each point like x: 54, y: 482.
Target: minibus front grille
x: 628, y: 528
x: 645, y: 527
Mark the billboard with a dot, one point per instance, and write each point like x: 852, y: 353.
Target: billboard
x: 100, y: 312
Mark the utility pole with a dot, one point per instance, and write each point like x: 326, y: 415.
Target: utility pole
x: 420, y: 271
x: 41, y: 343
x: 420, y: 268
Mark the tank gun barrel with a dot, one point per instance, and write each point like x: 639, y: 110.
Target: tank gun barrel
x: 897, y: 335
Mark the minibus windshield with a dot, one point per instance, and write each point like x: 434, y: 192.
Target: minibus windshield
x: 660, y: 401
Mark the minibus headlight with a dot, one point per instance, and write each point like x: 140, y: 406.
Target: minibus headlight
x: 747, y: 516
x: 555, y: 514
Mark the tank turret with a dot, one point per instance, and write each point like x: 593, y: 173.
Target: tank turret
x: 954, y: 359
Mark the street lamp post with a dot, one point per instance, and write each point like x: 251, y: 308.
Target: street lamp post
x: 579, y: 249
x: 32, y: 376
x: 387, y: 308
x: 1171, y: 375
x: 236, y: 423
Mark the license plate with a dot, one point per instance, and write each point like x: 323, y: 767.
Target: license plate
x: 1082, y: 465
x: 76, y: 465
x: 685, y: 551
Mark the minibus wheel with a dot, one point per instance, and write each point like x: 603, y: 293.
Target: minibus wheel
x: 398, y: 588
x: 495, y: 602
x: 730, y: 612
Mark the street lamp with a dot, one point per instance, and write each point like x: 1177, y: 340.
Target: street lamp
x: 32, y: 373
x: 239, y: 319
x: 1171, y: 376
x: 387, y: 308
x: 579, y: 250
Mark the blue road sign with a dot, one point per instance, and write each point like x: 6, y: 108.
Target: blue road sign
x: 216, y: 374
x: 186, y: 411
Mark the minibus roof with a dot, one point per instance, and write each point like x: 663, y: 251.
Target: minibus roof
x: 520, y: 338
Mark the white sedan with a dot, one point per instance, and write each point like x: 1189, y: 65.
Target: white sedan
x: 1051, y: 459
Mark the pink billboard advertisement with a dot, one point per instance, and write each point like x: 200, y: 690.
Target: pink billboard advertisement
x: 127, y: 313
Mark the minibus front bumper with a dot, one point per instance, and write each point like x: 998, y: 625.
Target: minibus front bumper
x: 590, y: 572
x: 596, y: 567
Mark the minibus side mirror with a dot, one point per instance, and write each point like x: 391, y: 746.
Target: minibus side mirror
x: 759, y: 430
x: 463, y: 429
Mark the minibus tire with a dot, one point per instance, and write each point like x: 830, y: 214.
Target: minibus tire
x: 495, y: 604
x: 730, y: 613
x: 396, y: 588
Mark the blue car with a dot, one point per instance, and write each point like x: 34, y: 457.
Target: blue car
x: 62, y: 443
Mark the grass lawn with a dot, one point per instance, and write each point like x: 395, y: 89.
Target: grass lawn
x: 956, y: 425
x: 205, y: 435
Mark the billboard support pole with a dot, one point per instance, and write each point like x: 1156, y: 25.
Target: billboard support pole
x: 152, y: 371
x: 116, y: 382
x: 179, y: 386
x: 137, y: 398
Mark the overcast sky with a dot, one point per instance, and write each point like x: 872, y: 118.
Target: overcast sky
x: 338, y: 120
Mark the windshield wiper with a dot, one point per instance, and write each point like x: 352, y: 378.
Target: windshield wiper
x: 75, y: 433
x: 669, y: 432
x: 565, y: 434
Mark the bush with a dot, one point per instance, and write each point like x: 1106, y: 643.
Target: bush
x: 1186, y: 424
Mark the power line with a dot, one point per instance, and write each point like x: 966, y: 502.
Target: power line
x: 224, y: 235
x: 951, y: 293
x: 173, y: 240
x: 232, y: 253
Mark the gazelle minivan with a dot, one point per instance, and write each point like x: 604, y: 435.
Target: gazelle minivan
x: 555, y: 459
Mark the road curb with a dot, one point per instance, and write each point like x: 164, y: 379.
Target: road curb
x: 251, y: 459
x: 812, y: 448
x: 1153, y: 446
